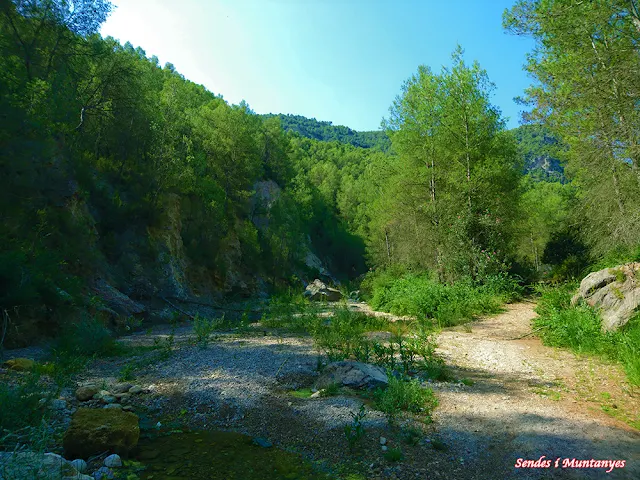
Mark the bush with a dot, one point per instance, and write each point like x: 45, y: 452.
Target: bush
x: 425, y: 298
x: 20, y: 403
x: 86, y: 337
x: 403, y: 395
x: 204, y: 327
x: 579, y: 328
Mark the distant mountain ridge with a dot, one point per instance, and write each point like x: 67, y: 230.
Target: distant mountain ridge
x: 327, y: 132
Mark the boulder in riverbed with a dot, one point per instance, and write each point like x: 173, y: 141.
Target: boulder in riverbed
x: 353, y: 374
x: 319, y: 291
x: 93, y: 431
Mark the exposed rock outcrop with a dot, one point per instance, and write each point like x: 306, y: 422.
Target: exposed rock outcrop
x: 615, y: 292
x: 318, y: 291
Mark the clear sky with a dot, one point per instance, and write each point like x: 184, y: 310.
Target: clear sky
x: 338, y: 60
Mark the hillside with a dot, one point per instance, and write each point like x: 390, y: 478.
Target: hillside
x: 327, y: 132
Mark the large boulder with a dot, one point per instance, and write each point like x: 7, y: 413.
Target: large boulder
x: 20, y: 364
x: 93, y: 431
x: 318, y: 291
x: 116, y: 302
x: 27, y: 464
x: 614, y: 292
x: 353, y: 374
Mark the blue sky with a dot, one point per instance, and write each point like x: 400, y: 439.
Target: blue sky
x: 338, y: 60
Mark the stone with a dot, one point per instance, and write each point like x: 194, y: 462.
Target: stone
x: 383, y: 441
x: 58, y: 404
x: 24, y: 465
x: 86, y: 392
x: 353, y: 374
x: 79, y: 464
x: 116, y: 301
x: 113, y: 461
x: 121, y: 388
x: 79, y: 476
x: 318, y: 291
x: 135, y: 389
x: 103, y: 473
x: 114, y: 405
x: 20, y: 364
x: 614, y: 292
x: 128, y: 408
x: 384, y: 448
x: 93, y: 431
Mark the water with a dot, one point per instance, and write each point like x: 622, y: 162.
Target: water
x: 218, y: 455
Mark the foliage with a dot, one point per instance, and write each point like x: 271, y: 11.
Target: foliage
x: 355, y: 430
x: 403, y: 395
x: 427, y: 299
x: 326, y: 132
x: 393, y: 455
x: 21, y: 403
x: 579, y: 328
x: 204, y: 327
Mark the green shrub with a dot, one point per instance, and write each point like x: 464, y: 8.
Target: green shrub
x: 579, y: 328
x: 86, y: 337
x: 405, y: 395
x: 393, y: 455
x: 355, y: 431
x: 204, y: 327
x: 20, y: 403
x: 425, y: 298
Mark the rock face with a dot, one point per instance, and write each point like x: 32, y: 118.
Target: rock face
x: 116, y: 302
x: 93, y: 431
x: 353, y: 374
x: 318, y: 291
x: 615, y: 292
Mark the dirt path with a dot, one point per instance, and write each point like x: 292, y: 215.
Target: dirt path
x: 528, y: 400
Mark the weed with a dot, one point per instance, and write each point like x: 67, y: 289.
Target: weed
x: 355, y: 431
x: 467, y: 381
x: 21, y: 403
x: 411, y: 436
x: 619, y: 274
x: 330, y: 390
x: 204, y: 327
x: 439, y: 445
x: 403, y: 395
x: 393, y: 455
x: 126, y: 372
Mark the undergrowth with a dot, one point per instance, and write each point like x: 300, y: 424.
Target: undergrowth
x: 445, y: 305
x: 578, y: 328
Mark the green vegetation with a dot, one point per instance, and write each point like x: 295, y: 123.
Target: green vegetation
x: 355, y: 431
x: 408, y: 396
x: 204, y: 327
x: 578, y: 328
x: 446, y: 305
x: 394, y: 455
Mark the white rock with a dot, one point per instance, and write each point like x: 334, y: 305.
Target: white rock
x: 79, y: 464
x: 384, y: 448
x: 113, y: 461
x: 383, y: 441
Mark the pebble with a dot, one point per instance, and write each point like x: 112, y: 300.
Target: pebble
x: 384, y: 448
x: 135, y: 389
x: 58, y: 404
x: 383, y: 441
x: 117, y: 406
x: 113, y: 461
x: 121, y: 388
x: 79, y: 464
x: 128, y: 408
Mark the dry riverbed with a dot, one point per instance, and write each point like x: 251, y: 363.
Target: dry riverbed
x: 513, y: 398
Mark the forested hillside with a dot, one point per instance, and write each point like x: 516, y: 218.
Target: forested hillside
x: 123, y: 171
x: 326, y: 131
